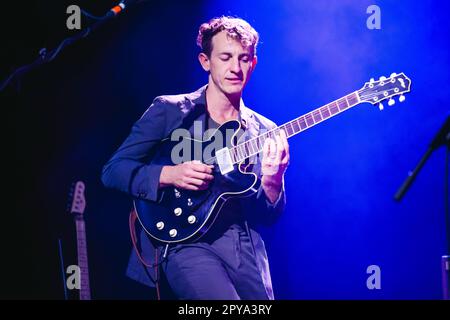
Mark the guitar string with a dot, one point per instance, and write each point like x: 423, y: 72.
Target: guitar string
x: 375, y: 92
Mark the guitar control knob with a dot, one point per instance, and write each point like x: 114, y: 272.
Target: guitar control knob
x: 178, y: 211
x: 173, y: 233
x: 192, y: 219
x: 160, y: 225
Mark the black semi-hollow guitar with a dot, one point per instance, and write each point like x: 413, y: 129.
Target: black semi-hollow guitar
x: 183, y: 215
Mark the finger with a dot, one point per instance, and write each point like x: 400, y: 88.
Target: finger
x: 202, y: 176
x: 280, y: 148
x: 272, y: 149
x: 195, y: 182
x: 201, y: 167
x: 190, y: 187
x: 284, y: 141
x: 266, y: 149
x: 201, y: 163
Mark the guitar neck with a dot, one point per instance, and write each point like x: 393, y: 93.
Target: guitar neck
x: 255, y: 145
x: 85, y: 291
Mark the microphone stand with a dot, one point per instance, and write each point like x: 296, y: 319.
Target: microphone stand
x: 47, y: 56
x: 441, y: 138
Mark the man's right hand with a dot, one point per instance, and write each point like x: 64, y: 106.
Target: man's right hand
x: 192, y: 175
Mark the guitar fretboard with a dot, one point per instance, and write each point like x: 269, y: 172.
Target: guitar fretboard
x: 255, y: 145
x: 85, y: 291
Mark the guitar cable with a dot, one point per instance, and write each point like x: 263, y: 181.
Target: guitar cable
x: 155, y: 266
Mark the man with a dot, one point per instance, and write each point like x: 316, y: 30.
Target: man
x: 230, y: 261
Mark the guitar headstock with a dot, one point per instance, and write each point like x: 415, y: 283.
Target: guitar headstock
x: 77, y: 200
x: 375, y: 92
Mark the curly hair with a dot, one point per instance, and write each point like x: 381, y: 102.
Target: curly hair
x: 236, y: 28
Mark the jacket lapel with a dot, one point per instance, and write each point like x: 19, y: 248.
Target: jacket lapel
x: 248, y: 122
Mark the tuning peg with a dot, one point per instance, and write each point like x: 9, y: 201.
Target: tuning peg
x: 382, y: 78
x: 393, y: 74
x: 380, y: 106
x: 372, y: 80
x: 391, y: 102
x: 401, y: 98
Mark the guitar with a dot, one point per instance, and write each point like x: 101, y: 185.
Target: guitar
x: 77, y: 209
x: 184, y: 215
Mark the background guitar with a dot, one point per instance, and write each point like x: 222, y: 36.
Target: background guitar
x: 77, y: 208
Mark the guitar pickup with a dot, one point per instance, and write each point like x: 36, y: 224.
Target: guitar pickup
x: 224, y: 161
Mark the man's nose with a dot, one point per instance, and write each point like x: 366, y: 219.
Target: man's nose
x: 236, y: 66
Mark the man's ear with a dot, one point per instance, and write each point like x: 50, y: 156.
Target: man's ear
x: 254, y: 62
x: 204, y: 61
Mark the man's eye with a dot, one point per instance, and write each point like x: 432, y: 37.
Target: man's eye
x: 224, y: 58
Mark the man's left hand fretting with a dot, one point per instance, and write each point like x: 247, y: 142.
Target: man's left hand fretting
x: 274, y: 164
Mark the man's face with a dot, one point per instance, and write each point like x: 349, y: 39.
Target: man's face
x: 230, y: 64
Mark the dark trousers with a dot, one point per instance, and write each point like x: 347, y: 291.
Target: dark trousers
x: 224, y: 269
